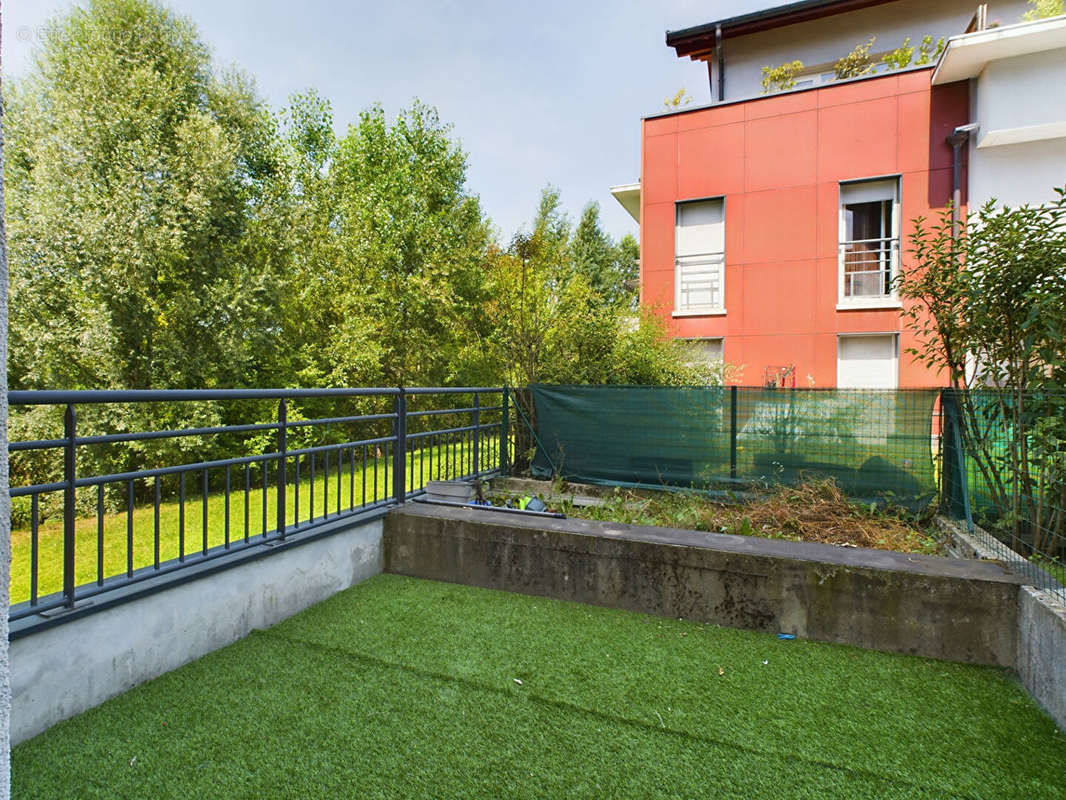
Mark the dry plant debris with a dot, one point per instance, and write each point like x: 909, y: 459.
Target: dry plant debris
x: 815, y: 511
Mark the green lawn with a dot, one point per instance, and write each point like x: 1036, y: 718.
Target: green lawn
x: 408, y: 688
x: 427, y: 463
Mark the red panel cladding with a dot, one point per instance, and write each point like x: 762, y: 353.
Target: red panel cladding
x: 779, y: 225
x: 658, y: 231
x: 701, y: 171
x: 659, y: 183
x: 709, y: 117
x: 761, y: 352
x: 915, y: 81
x: 913, y: 146
x: 779, y: 298
x: 781, y: 151
x: 659, y: 291
x: 859, y: 91
x: 828, y: 226
x: 660, y: 125
x: 781, y: 104
x: 857, y: 140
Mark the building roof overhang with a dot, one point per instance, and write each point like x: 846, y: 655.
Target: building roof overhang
x: 698, y: 42
x: 628, y: 195
x: 966, y: 55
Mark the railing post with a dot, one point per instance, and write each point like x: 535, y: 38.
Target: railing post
x: 504, y: 432
x: 477, y: 434
x: 733, y: 432
x: 399, y: 452
x: 69, y: 502
x: 283, y: 448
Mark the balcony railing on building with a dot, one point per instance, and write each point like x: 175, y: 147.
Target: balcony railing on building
x: 870, y: 267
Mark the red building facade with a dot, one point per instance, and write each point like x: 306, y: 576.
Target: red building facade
x: 772, y: 228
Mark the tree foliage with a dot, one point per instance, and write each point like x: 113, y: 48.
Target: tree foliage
x: 856, y: 63
x: 987, y: 307
x: 136, y: 174
x: 167, y: 230
x: 1042, y: 9
x: 781, y: 77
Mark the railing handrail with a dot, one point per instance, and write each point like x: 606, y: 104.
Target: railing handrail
x: 49, y: 397
x: 889, y: 239
x: 457, y: 449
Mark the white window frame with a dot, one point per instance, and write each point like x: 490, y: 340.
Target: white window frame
x: 894, y: 335
x: 698, y: 260
x: 698, y: 339
x: 891, y: 299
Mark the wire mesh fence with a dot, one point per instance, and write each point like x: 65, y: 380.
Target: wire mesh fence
x: 994, y: 458
x: 1005, y: 474
x: 877, y: 445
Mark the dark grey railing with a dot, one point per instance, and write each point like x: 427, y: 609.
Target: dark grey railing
x: 366, y: 462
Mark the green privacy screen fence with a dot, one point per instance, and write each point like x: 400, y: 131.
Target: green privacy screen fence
x: 875, y: 444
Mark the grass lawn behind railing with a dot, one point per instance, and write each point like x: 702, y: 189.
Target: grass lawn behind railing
x: 424, y: 464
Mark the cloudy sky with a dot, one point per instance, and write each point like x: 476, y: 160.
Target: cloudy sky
x: 538, y: 93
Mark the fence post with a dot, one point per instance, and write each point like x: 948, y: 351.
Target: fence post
x: 69, y: 501
x: 954, y: 459
x: 504, y: 433
x: 283, y: 448
x: 732, y: 432
x: 399, y: 452
x: 477, y: 433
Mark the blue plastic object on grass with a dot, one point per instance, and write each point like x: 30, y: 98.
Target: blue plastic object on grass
x: 786, y: 636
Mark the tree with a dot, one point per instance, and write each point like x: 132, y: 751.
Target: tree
x: 134, y: 174
x: 987, y: 307
x: 413, y: 241
x: 1042, y: 9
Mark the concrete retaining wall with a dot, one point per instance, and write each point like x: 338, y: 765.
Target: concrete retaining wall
x: 1042, y: 650
x: 924, y: 605
x: 1041, y: 661
x: 62, y: 671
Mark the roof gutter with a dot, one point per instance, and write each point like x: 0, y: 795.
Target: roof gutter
x: 698, y: 41
x: 721, y: 62
x: 959, y: 137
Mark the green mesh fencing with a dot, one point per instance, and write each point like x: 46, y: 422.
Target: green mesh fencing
x: 875, y: 444
x: 1006, y: 458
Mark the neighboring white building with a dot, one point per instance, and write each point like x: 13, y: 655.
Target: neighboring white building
x: 1017, y: 79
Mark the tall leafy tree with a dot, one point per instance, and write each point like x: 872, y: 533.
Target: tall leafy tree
x: 610, y: 267
x: 412, y: 246
x: 135, y: 172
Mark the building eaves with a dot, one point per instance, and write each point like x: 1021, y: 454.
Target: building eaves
x: 698, y: 41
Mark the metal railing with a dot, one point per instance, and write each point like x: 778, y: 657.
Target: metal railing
x: 699, y: 281
x: 869, y: 266
x: 287, y: 477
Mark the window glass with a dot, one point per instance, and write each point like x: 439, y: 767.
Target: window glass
x: 868, y: 241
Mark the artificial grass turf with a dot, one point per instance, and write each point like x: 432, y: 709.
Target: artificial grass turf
x: 400, y: 688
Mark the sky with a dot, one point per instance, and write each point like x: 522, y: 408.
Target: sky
x: 538, y: 93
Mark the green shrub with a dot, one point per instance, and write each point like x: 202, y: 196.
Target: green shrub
x: 856, y: 63
x: 901, y: 57
x: 780, y: 78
